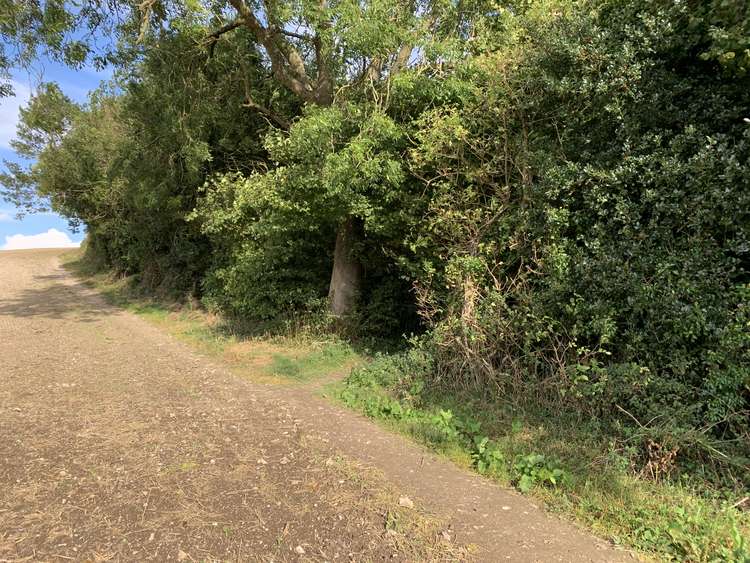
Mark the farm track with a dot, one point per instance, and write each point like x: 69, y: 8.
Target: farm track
x: 119, y: 443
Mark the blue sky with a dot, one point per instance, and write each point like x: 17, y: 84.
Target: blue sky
x: 42, y: 229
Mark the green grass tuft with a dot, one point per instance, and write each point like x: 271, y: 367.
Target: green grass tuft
x: 324, y: 360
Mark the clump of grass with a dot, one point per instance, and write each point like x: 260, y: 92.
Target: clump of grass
x: 315, y: 362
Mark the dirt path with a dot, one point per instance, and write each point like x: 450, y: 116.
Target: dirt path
x: 119, y: 443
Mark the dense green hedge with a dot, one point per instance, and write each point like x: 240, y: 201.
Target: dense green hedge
x: 587, y: 238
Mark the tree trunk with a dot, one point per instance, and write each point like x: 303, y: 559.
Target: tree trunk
x: 288, y: 66
x: 346, y: 278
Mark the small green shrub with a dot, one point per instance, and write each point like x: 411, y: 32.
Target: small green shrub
x: 536, y: 469
x: 488, y: 458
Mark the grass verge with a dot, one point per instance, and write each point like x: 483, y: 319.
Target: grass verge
x: 298, y: 358
x: 572, y: 464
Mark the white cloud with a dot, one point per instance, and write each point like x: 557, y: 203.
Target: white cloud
x: 9, y: 112
x: 51, y: 239
x: 5, y: 217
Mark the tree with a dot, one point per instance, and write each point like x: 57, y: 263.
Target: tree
x: 313, y: 49
x: 28, y: 28
x: 317, y: 50
x: 42, y: 126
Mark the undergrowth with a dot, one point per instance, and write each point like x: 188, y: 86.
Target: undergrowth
x: 575, y: 465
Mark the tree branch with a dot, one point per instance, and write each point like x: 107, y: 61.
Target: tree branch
x: 287, y: 64
x: 225, y: 29
x: 301, y: 36
x: 276, y: 118
x: 402, y: 58
x: 324, y: 85
x: 251, y: 103
x: 214, y: 37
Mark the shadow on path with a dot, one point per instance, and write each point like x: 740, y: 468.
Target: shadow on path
x: 54, y: 296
